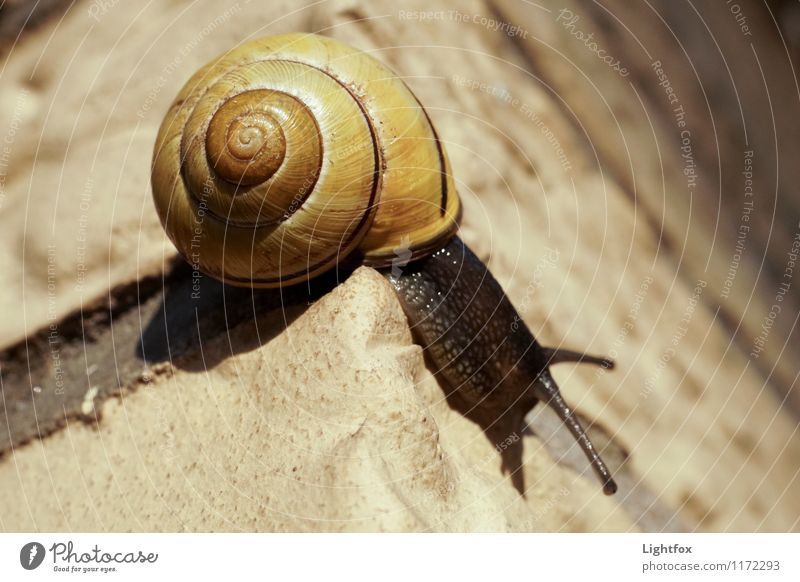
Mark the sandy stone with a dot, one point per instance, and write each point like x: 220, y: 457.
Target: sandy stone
x: 336, y: 426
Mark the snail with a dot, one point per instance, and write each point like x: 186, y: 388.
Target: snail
x: 294, y: 154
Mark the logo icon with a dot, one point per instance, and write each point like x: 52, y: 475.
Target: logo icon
x: 31, y: 555
x: 402, y: 256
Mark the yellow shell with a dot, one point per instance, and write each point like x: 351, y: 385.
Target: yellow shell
x: 288, y: 153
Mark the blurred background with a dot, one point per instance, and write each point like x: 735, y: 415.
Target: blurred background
x: 629, y: 171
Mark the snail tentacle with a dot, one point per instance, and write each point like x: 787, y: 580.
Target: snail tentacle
x: 561, y: 355
x: 546, y: 390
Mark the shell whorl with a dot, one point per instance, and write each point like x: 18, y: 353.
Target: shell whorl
x: 288, y: 153
x: 245, y: 143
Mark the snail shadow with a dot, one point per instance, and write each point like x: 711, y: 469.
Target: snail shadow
x: 194, y: 311
x: 503, y: 431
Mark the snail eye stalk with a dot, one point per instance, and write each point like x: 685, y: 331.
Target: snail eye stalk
x: 546, y: 390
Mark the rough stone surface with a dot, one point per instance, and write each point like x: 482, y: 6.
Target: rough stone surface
x: 334, y: 425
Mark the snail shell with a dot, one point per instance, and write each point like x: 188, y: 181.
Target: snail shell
x: 290, y: 152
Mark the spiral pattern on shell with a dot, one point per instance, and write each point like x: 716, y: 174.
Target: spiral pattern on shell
x: 286, y: 154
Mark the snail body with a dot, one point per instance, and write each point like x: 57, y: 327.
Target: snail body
x: 292, y: 154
